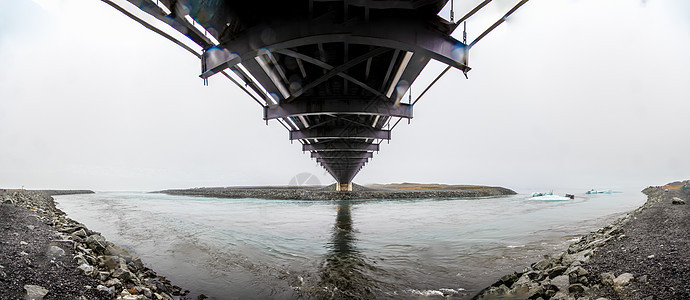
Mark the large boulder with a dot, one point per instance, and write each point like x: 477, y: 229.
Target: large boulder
x: 542, y: 265
x: 123, y: 274
x: 96, y: 242
x: 562, y: 282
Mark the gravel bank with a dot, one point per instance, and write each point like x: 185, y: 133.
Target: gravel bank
x: 329, y: 193
x: 640, y: 256
x: 45, y: 255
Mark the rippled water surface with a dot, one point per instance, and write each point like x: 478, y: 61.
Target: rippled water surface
x: 256, y: 248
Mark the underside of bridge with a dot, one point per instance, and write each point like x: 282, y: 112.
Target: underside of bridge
x: 333, y: 73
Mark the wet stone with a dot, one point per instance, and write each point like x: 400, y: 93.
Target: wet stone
x: 542, y: 264
x: 556, y: 271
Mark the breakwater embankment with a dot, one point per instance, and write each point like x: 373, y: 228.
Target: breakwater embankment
x: 329, y: 193
x: 46, y: 255
x: 642, y: 255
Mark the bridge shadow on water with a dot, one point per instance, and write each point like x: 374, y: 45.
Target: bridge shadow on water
x: 346, y: 273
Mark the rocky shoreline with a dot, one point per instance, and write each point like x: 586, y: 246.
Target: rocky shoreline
x: 46, y: 255
x: 329, y: 193
x: 642, y: 255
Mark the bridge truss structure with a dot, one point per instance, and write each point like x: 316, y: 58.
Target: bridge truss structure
x: 332, y: 72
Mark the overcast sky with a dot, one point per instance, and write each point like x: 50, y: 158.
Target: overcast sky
x: 568, y: 94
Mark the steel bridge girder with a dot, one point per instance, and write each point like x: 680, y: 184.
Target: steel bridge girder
x: 331, y: 106
x: 341, y: 146
x: 347, y: 132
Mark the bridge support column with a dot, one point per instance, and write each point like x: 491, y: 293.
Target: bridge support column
x: 343, y: 187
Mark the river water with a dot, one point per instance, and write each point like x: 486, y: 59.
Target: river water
x: 258, y: 249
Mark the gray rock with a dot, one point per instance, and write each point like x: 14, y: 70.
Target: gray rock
x: 109, y: 290
x: 111, y: 262
x: 535, y: 290
x: 146, y: 292
x: 623, y: 280
x: 92, y: 260
x: 577, y: 288
x: 560, y: 295
x: 523, y: 280
x: 606, y: 278
x: 80, y: 233
x: 96, y: 242
x: 55, y: 251
x: 677, y: 200
x: 79, y: 259
x: 103, y: 276
x: 556, y: 271
x: 138, y: 264
x: 70, y: 229
x: 87, y: 269
x: 123, y: 274
x: 508, y: 280
x: 114, y: 282
x: 520, y: 290
x: 561, y: 282
x: 576, y: 273
x: 535, y: 275
x: 582, y: 256
x: 35, y: 292
x: 542, y: 264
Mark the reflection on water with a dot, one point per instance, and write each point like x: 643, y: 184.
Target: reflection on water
x: 345, y: 272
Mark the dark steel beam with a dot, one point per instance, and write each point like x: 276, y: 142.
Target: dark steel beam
x: 342, y: 154
x: 341, y: 161
x: 346, y: 132
x: 414, y: 67
x: 332, y: 106
x: 341, y: 145
x: 326, y: 66
x: 342, y: 68
x: 411, y: 35
x: 264, y: 79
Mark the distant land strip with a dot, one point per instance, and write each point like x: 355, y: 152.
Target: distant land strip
x: 377, y: 191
